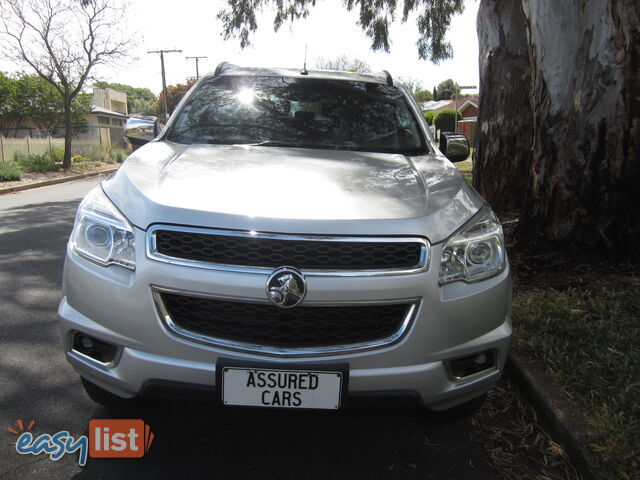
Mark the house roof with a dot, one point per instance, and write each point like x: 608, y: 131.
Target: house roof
x: 435, y: 105
x: 471, y: 101
x: 104, y: 111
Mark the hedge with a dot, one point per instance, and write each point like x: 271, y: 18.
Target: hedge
x: 445, y: 121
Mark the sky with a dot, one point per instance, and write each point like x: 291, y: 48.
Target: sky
x: 329, y: 31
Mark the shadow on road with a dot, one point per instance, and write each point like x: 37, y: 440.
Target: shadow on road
x: 37, y: 383
x: 201, y: 440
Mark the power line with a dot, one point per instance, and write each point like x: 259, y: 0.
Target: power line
x: 196, y: 59
x: 164, y: 81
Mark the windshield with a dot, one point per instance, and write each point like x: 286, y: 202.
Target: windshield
x: 295, y: 112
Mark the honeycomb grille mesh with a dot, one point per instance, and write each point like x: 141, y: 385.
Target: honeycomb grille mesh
x: 270, y: 326
x: 302, y: 254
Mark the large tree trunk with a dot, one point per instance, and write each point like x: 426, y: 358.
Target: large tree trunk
x: 503, y: 157
x: 68, y: 132
x: 559, y: 119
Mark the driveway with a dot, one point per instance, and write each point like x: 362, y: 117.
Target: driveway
x: 191, y: 439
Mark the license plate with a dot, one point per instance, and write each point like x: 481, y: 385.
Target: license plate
x: 275, y: 388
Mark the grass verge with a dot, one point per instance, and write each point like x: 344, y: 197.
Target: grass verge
x: 466, y: 169
x: 588, y: 339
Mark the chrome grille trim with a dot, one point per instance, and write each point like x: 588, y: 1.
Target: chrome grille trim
x: 154, y: 254
x: 333, y: 350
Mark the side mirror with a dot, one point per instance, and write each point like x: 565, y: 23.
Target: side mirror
x: 454, y: 146
x: 141, y: 130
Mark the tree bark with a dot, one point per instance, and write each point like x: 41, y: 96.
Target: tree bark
x: 504, y: 136
x: 68, y: 130
x: 560, y: 119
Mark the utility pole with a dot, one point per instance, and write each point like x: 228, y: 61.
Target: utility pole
x: 196, y: 59
x: 164, y: 81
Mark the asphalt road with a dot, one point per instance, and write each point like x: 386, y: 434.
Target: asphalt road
x: 191, y: 439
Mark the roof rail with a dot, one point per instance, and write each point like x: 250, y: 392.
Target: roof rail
x: 389, y: 79
x: 222, y: 66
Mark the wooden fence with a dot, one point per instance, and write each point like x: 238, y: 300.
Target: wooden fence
x: 41, y: 145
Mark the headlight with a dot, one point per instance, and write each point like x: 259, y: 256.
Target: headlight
x: 102, y: 234
x: 475, y: 252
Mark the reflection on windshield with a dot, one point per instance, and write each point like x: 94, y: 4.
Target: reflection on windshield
x: 310, y: 113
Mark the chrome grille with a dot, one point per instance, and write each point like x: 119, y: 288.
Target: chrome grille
x: 267, y: 251
x: 264, y: 325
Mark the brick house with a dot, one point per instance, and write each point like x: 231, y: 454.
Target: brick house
x: 469, y: 111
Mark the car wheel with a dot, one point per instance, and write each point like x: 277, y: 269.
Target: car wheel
x: 102, y: 396
x: 464, y: 410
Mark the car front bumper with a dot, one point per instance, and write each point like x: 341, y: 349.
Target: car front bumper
x: 451, y: 321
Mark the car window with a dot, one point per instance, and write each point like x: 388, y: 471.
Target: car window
x: 311, y: 113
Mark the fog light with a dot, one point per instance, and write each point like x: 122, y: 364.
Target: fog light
x: 98, y: 350
x: 86, y: 342
x: 467, y: 366
x: 481, y: 359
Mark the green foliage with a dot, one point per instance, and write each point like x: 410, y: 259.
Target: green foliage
x: 174, y: 95
x: 29, y: 98
x: 429, y: 116
x: 35, y: 163
x: 104, y: 154
x: 466, y: 168
x: 139, y: 100
x: 445, y: 120
x: 7, y: 86
x: 11, y: 111
x: 57, y: 154
x: 447, y: 89
x: 433, y: 19
x: 115, y: 154
x: 142, y: 106
x: 9, y: 172
x: 96, y: 153
x: 27, y: 163
x: 416, y: 89
x: 422, y: 96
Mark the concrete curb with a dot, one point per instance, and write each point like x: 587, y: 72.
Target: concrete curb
x: 54, y: 181
x: 568, y: 426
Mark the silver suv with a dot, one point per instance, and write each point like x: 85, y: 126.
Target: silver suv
x: 291, y: 239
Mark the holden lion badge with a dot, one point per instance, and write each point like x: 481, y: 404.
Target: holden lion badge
x: 286, y: 287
